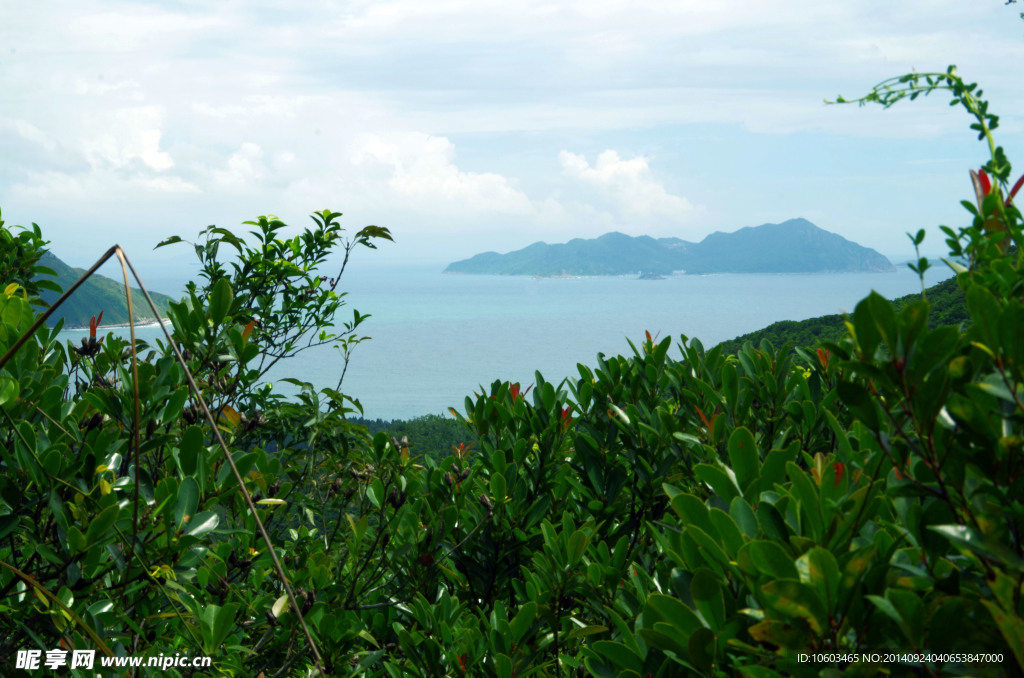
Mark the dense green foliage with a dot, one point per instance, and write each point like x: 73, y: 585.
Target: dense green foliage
x: 432, y: 435
x: 21, y: 255
x: 772, y: 512
x: 946, y: 303
x: 794, y: 246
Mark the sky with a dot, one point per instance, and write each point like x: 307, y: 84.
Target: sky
x: 472, y: 125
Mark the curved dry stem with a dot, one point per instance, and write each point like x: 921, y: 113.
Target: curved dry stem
x: 126, y: 264
x: 231, y: 462
x: 135, y: 394
x: 31, y: 581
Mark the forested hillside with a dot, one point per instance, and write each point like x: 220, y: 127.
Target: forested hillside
x: 947, y: 306
x: 96, y: 295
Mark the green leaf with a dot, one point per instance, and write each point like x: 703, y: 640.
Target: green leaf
x: 1011, y: 626
x: 171, y: 411
x: 823, y: 570
x: 673, y: 611
x: 498, y: 487
x: 986, y: 313
x: 855, y: 569
x: 692, y: 511
x: 203, y: 522
x: 187, y: 503
x: 9, y: 522
x: 719, y: 480
x: 583, y: 631
x: 502, y: 665
x: 860, y: 402
x: 771, y: 522
x: 968, y: 539
x: 774, y: 468
x: 622, y: 656
x: 101, y: 524
x: 523, y: 620
x: 874, y: 321
x: 220, y: 300
x: 706, y: 591
x: 807, y: 499
x: 744, y: 516
x: 728, y: 530
x: 790, y: 634
x: 904, y: 608
x: 216, y: 623
x: 702, y: 648
x: 769, y: 558
x: 375, y: 492
x: 190, y: 450
x: 8, y: 389
x: 744, y: 457
x: 76, y: 540
x: 793, y: 598
x: 169, y: 241
x: 712, y: 552
x: 280, y: 606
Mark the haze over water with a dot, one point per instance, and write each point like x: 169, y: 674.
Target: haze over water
x: 438, y: 338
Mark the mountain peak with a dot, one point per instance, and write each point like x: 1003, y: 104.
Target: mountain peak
x: 792, y: 246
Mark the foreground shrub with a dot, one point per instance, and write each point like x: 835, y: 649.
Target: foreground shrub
x: 849, y: 508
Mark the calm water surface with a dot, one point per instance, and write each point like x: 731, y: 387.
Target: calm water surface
x: 437, y: 338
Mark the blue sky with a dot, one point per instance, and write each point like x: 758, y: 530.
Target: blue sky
x: 468, y: 125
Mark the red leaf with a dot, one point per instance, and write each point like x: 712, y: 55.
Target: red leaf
x: 94, y: 322
x: 839, y: 472
x: 1016, y: 187
x: 514, y: 390
x: 986, y: 184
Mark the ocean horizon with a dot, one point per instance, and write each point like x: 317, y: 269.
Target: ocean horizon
x: 437, y: 338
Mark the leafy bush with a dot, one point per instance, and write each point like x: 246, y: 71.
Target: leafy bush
x: 845, y: 508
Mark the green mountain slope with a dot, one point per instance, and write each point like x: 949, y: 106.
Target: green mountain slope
x: 948, y: 307
x: 611, y: 254
x: 794, y: 246
x: 98, y: 293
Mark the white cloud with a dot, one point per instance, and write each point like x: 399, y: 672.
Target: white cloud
x: 244, y: 168
x: 419, y: 170
x: 127, y: 89
x: 362, y: 104
x: 28, y: 132
x: 129, y: 134
x: 132, y: 27
x: 256, y: 105
x: 629, y: 184
x: 171, y: 185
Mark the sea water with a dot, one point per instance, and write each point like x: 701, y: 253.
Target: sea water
x: 437, y: 338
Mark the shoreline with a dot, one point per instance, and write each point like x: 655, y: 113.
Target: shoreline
x: 115, y: 326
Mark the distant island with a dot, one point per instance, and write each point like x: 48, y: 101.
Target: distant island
x: 98, y: 293
x: 794, y: 246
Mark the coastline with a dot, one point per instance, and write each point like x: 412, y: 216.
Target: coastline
x: 116, y: 326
